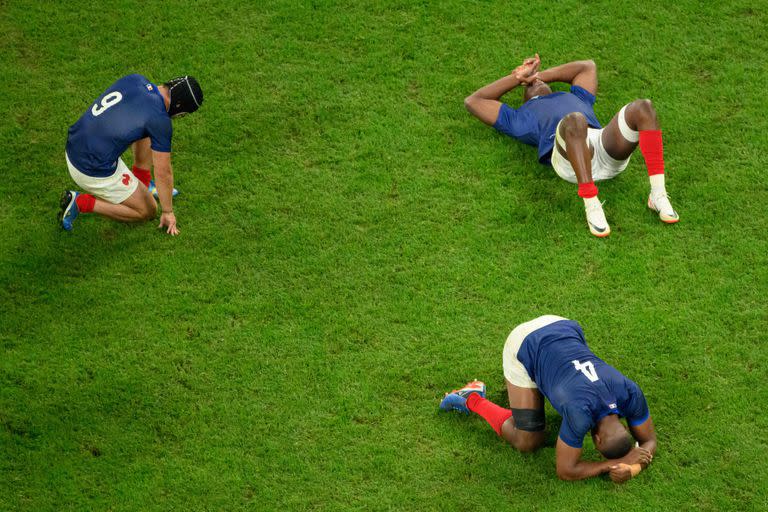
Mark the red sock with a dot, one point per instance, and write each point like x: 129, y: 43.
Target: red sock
x: 587, y: 190
x: 85, y: 202
x: 652, y: 149
x: 492, y: 413
x: 143, y: 175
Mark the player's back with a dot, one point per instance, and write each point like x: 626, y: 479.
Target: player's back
x: 130, y: 109
x: 566, y: 370
x: 581, y: 387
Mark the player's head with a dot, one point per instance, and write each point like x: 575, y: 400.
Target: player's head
x: 536, y: 88
x: 611, y: 437
x: 186, y: 96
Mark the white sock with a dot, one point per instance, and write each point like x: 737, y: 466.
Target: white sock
x: 657, y: 184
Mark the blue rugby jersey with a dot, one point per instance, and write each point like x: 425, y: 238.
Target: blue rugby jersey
x: 130, y: 109
x: 534, y: 123
x: 580, y: 386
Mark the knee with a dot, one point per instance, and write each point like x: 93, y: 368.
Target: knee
x: 529, y: 444
x: 522, y: 440
x: 470, y: 103
x: 644, y: 109
x: 574, y: 125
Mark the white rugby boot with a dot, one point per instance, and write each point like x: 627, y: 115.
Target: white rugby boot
x: 598, y: 225
x: 659, y: 202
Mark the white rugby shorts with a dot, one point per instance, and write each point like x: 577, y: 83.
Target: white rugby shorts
x: 514, y: 371
x: 604, y: 167
x: 114, y: 189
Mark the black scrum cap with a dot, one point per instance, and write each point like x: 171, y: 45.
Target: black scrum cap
x: 186, y: 95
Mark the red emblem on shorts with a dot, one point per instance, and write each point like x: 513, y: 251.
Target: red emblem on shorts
x: 126, y: 179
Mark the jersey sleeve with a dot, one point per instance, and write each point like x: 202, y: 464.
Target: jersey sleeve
x: 514, y: 123
x: 636, y: 407
x: 160, y: 131
x: 583, y: 94
x: 576, y: 423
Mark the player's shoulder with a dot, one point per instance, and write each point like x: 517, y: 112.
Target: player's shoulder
x: 583, y: 94
x: 136, y: 77
x: 131, y: 79
x: 135, y: 82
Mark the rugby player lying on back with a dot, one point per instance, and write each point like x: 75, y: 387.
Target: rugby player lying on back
x: 564, y: 128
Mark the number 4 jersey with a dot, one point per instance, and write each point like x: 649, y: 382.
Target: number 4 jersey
x: 580, y: 386
x: 130, y: 109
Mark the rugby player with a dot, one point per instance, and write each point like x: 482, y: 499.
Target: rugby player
x: 548, y: 357
x: 131, y: 112
x: 563, y: 126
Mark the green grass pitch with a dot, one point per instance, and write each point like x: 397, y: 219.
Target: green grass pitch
x: 353, y: 244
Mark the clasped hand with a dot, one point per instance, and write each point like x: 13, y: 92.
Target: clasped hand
x: 528, y: 71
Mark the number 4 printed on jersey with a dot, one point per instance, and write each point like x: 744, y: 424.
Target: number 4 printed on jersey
x: 588, y: 369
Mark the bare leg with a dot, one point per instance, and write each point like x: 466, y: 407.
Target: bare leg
x: 523, y: 398
x: 142, y: 153
x: 573, y: 129
x: 639, y: 115
x: 642, y: 126
x: 139, y: 207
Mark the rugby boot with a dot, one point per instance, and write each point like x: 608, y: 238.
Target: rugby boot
x: 456, y: 400
x: 68, y: 211
x: 659, y: 202
x: 598, y: 224
x: 153, y: 190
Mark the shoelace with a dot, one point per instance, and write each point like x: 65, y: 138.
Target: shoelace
x: 663, y: 195
x: 594, y: 206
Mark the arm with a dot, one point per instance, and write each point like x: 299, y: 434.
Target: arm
x: 645, y: 435
x: 164, y: 182
x: 484, y: 103
x: 571, y: 467
x: 582, y: 73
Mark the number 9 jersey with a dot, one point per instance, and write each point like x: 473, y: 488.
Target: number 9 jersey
x: 130, y: 109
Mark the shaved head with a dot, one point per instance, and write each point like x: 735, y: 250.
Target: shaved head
x: 536, y: 88
x: 611, y: 437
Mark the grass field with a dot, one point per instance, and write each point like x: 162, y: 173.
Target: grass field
x: 353, y: 244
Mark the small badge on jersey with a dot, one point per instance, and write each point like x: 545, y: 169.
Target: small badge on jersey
x: 149, y: 87
x: 612, y: 406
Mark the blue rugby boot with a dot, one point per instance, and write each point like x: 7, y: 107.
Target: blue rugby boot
x: 153, y: 190
x: 456, y: 400
x: 69, y: 211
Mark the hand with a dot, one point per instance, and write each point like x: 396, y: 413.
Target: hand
x: 637, y: 455
x: 620, y: 473
x: 525, y: 71
x: 530, y: 79
x: 168, y: 220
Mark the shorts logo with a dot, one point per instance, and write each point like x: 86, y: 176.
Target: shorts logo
x: 126, y: 179
x: 149, y: 87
